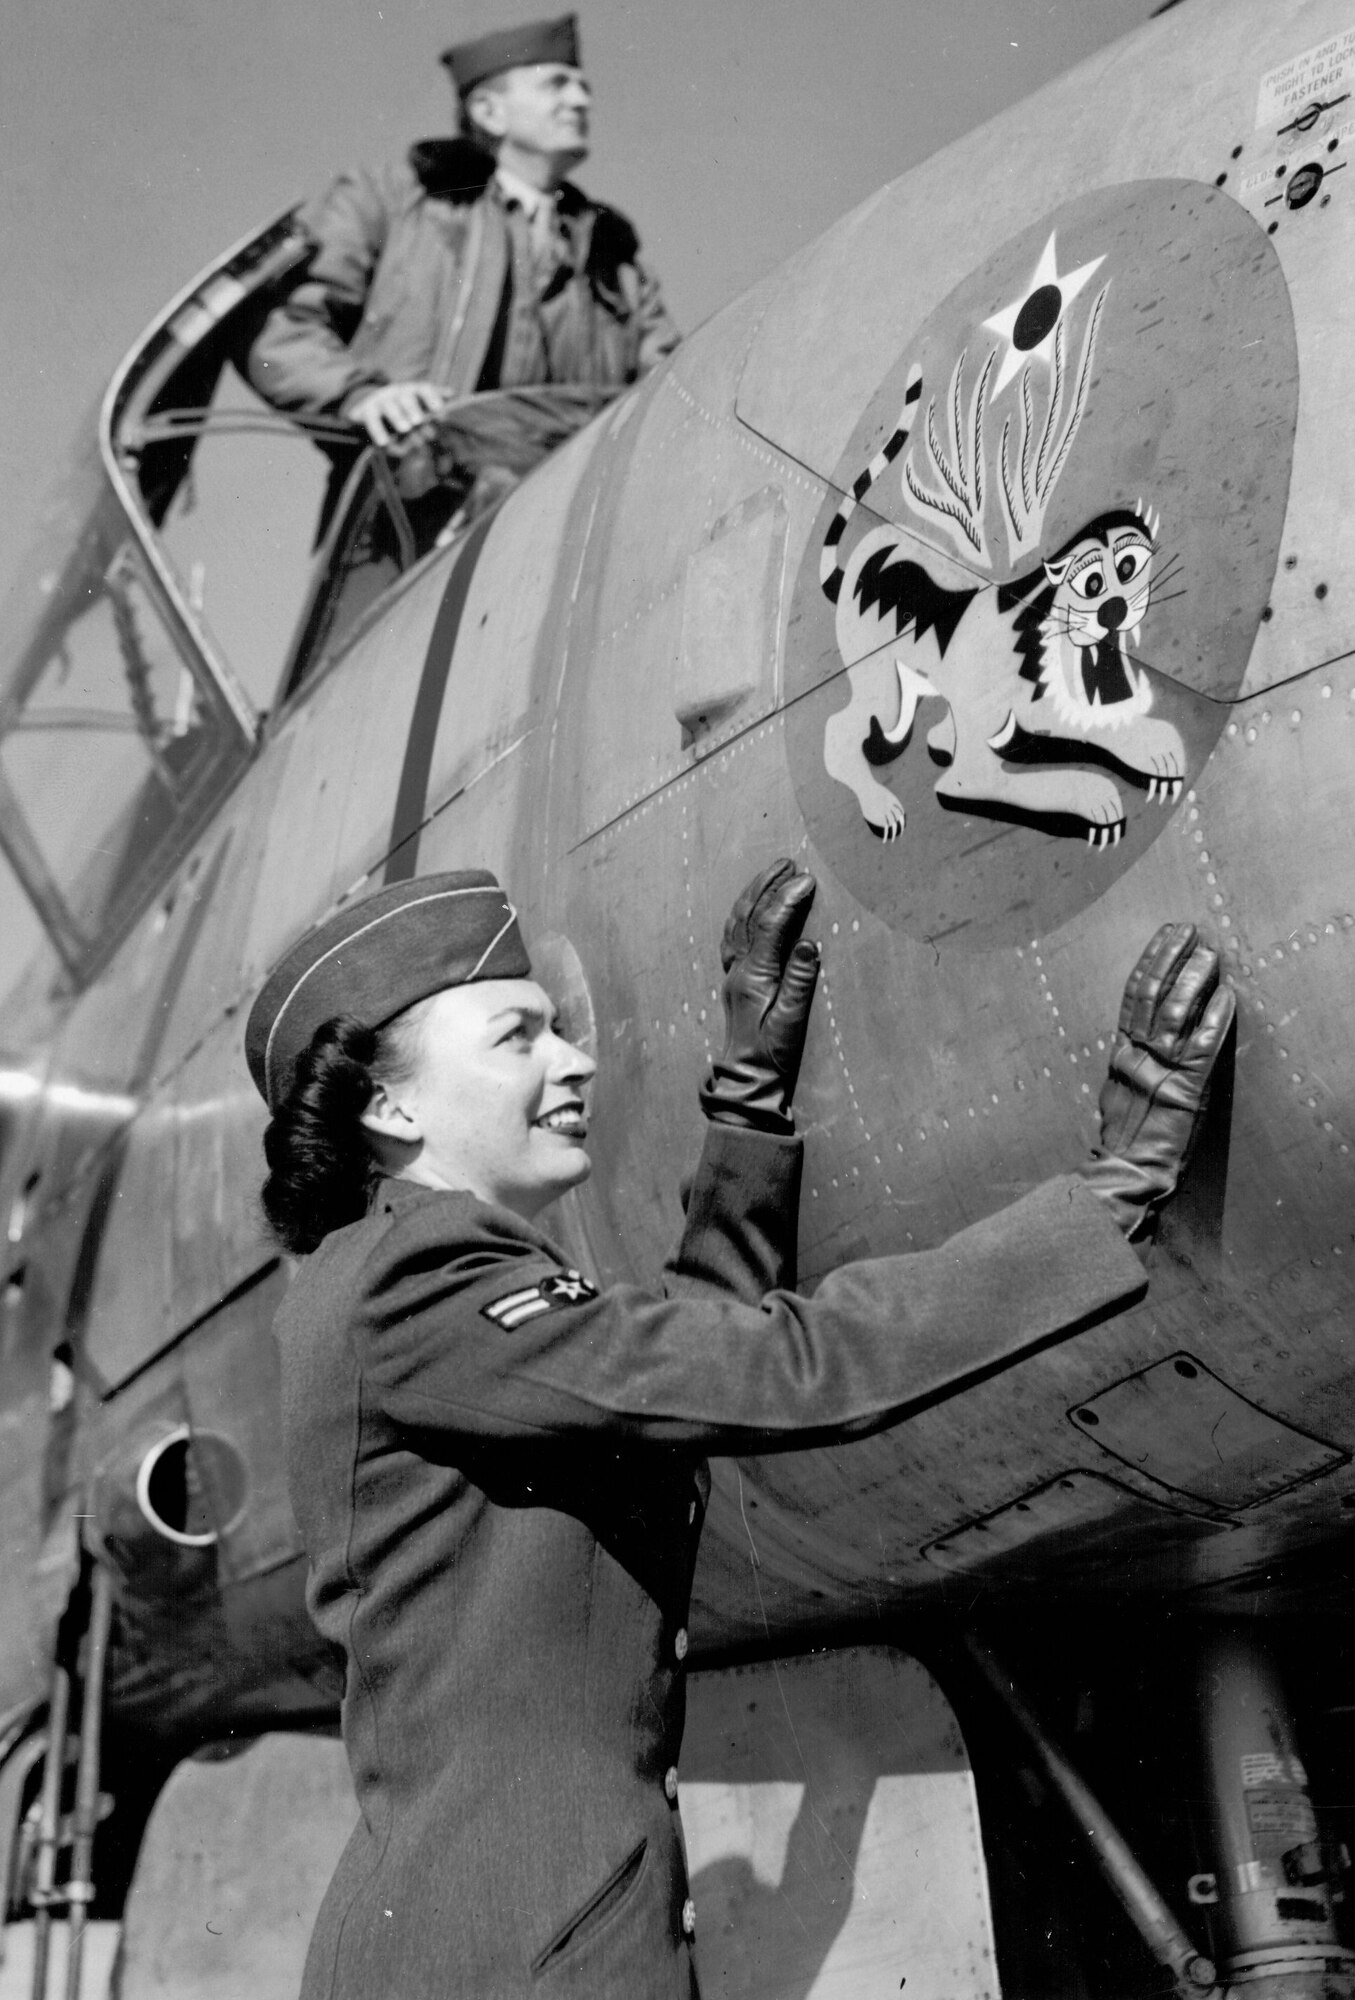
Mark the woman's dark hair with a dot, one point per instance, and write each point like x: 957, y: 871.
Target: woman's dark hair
x: 320, y: 1163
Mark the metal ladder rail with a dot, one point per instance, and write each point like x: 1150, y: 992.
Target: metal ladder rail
x: 87, y: 1618
x: 80, y: 1888
x: 44, y: 1894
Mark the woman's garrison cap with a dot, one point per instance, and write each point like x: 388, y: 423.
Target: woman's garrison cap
x: 475, y: 62
x: 376, y: 957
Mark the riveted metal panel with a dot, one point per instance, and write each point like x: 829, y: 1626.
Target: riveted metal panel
x: 1079, y: 1528
x: 731, y: 602
x: 843, y: 308
x: 511, y: 637
x: 344, y: 743
x: 232, y: 1382
x: 1178, y: 1423
x: 128, y: 1248
x: 219, y: 1234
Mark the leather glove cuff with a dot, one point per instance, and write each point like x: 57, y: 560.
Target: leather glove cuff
x: 1131, y: 1190
x: 735, y: 1093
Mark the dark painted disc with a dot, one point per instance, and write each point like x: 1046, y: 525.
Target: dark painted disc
x: 1037, y: 318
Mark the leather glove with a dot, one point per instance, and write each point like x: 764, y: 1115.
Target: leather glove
x: 770, y: 976
x: 1173, y: 1021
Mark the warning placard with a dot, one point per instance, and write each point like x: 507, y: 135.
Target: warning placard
x: 1285, y: 1817
x: 1315, y: 77
x: 1270, y: 1767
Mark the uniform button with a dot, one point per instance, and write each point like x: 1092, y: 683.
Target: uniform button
x: 680, y: 1643
x: 689, y: 1918
x: 670, y: 1781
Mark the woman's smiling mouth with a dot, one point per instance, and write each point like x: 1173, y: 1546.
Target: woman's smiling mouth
x: 569, y: 1120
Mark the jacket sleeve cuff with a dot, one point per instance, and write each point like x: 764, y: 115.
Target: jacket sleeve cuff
x: 354, y: 395
x: 743, y: 1206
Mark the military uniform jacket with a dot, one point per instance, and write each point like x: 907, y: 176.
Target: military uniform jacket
x: 409, y: 278
x: 499, y: 1476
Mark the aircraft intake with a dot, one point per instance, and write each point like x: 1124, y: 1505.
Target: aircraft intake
x: 175, y: 1478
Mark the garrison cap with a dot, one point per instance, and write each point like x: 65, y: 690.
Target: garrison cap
x: 510, y: 48
x: 378, y: 956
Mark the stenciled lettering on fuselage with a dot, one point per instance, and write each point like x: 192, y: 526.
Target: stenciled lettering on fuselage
x: 1036, y: 594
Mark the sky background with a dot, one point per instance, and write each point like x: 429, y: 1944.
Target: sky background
x: 140, y: 138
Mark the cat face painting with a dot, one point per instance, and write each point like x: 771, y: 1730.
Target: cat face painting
x: 1017, y: 638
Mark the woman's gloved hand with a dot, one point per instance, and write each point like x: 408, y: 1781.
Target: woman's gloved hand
x: 1173, y: 1021
x: 770, y: 975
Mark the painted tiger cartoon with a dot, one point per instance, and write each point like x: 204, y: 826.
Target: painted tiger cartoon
x: 1038, y: 672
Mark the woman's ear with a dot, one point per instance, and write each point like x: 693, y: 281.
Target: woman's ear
x: 388, y: 1118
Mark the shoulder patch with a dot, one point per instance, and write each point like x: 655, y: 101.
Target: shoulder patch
x: 564, y: 1288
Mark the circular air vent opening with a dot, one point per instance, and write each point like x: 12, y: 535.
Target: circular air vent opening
x: 187, y: 1483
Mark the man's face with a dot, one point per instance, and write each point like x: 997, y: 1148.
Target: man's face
x: 541, y: 109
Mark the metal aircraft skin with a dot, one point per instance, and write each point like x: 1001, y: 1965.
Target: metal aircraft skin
x: 827, y: 584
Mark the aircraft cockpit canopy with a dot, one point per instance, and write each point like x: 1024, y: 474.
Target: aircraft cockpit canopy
x: 113, y: 741
x: 276, y: 531
x: 231, y: 554
x: 197, y: 599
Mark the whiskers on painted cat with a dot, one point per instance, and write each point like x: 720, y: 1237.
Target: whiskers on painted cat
x: 1038, y: 674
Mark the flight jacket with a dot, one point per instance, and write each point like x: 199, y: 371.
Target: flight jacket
x: 499, y: 1475
x: 407, y: 279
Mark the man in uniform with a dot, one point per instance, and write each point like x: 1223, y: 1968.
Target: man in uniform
x: 474, y: 264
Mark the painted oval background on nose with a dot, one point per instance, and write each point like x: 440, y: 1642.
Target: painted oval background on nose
x: 978, y: 751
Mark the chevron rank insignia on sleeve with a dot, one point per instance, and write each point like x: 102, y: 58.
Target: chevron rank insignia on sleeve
x: 565, y: 1288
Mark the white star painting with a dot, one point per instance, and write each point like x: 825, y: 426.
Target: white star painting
x: 1030, y: 323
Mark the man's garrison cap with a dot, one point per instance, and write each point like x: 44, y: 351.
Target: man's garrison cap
x: 376, y: 957
x: 511, y: 48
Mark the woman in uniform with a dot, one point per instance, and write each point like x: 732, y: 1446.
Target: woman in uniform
x: 499, y: 1468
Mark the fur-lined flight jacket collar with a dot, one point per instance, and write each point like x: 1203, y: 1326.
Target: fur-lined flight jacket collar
x: 457, y: 170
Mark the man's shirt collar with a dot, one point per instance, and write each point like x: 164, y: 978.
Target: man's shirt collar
x: 515, y: 189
